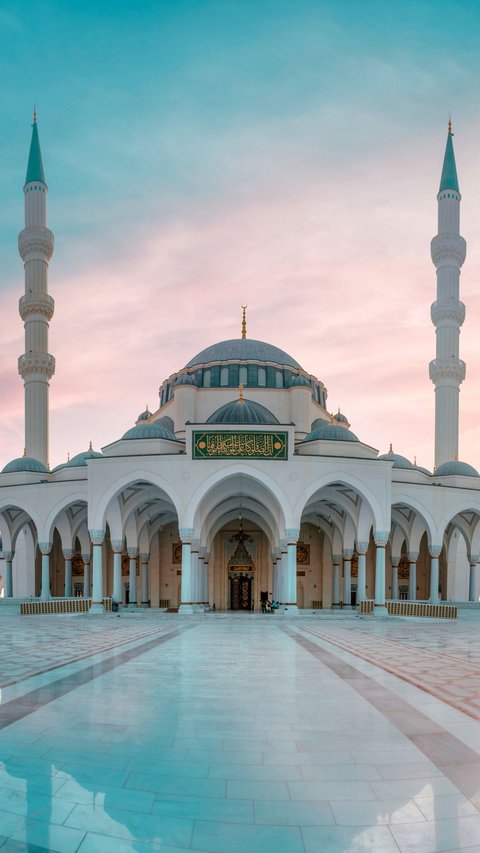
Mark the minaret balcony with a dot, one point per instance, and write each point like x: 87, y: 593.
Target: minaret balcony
x: 35, y: 243
x: 36, y: 304
x: 36, y: 362
x: 447, y: 367
x: 448, y: 249
x: 448, y: 311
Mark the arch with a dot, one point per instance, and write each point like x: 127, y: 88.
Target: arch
x: 464, y: 506
x: 421, y: 511
x: 61, y: 506
x: 347, y: 479
x: 231, y: 516
x: 98, y: 513
x: 207, y: 494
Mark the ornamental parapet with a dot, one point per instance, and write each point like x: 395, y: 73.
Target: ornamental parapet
x: 447, y: 367
x: 446, y: 248
x: 36, y: 362
x: 36, y: 304
x: 447, y: 309
x: 36, y: 243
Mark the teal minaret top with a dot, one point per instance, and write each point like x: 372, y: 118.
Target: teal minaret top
x: 449, y: 180
x: 35, y: 165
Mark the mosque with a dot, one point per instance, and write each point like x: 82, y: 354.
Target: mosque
x: 241, y: 485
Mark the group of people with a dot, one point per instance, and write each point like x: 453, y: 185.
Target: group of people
x: 269, y: 606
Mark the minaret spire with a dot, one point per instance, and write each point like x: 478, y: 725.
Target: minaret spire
x: 244, y: 321
x: 35, y: 244
x: 447, y: 370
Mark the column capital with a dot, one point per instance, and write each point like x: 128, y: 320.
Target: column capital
x: 435, y: 551
x: 186, y: 534
x: 362, y: 547
x: 132, y: 553
x: 45, y: 548
x: 473, y: 559
x: 395, y: 562
x: 97, y: 536
x: 68, y: 553
x: 292, y: 534
x: 337, y: 559
x: 412, y: 556
x: 381, y: 538
x: 87, y: 558
x: 347, y: 553
x: 144, y: 558
x: 117, y: 545
x: 9, y: 555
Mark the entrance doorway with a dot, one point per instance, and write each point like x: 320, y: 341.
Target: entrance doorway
x: 240, y: 593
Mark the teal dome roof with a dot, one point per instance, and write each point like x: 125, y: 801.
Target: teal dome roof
x: 340, y: 418
x: 79, y: 460
x: 331, y: 432
x: 25, y: 463
x: 150, y: 430
x: 398, y: 460
x: 244, y: 349
x: 144, y: 416
x: 318, y: 422
x: 461, y: 469
x: 242, y: 412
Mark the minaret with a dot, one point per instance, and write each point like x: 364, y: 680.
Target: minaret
x: 447, y: 370
x: 35, y: 244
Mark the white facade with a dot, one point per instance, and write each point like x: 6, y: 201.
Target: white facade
x: 295, y: 507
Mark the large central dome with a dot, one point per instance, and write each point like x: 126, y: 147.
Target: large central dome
x: 244, y: 349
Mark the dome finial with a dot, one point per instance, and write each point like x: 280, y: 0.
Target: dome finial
x: 415, y: 461
x: 455, y: 457
x: 240, y: 393
x: 24, y: 452
x: 244, y: 321
x: 34, y: 114
x: 90, y: 446
x: 391, y: 448
x: 450, y: 125
x: 68, y: 456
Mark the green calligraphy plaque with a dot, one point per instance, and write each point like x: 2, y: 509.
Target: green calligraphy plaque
x: 239, y: 445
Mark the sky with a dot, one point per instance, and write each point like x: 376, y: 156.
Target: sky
x: 203, y: 155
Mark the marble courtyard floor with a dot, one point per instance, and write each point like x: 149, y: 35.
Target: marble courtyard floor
x: 239, y: 733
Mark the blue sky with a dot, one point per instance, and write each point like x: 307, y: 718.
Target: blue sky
x: 202, y: 154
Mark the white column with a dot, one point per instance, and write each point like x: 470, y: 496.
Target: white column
x: 196, y: 577
x: 97, y: 537
x: 362, y: 548
x: 117, y: 548
x: 281, y: 590
x: 144, y: 577
x: 337, y: 558
x: 347, y: 577
x: 435, y: 551
x: 186, y: 605
x: 275, y: 572
x: 381, y: 539
x: 8, y: 574
x: 206, y: 591
x: 412, y: 575
x: 395, y: 562
x: 68, y: 554
x: 290, y: 603
x: 472, y: 584
x: 86, y: 575
x: 45, y: 549
x: 132, y: 592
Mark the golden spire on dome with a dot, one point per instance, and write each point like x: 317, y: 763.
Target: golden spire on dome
x: 34, y: 114
x: 90, y: 446
x: 240, y: 393
x: 244, y: 321
x: 450, y: 126
x: 68, y: 456
x: 415, y: 461
x: 24, y: 452
x: 391, y: 448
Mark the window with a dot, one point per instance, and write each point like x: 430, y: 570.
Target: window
x: 224, y: 376
x: 262, y: 377
x: 278, y: 379
x: 243, y: 376
x: 207, y: 377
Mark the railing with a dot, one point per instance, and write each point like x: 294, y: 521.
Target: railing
x: 60, y: 605
x: 412, y: 608
x: 317, y: 605
x: 164, y: 602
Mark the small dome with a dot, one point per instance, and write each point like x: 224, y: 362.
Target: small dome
x: 319, y: 422
x: 25, y: 463
x: 331, y: 432
x: 242, y: 412
x: 340, y: 418
x: 151, y: 430
x: 144, y: 416
x: 165, y: 422
x: 300, y: 380
x: 398, y: 460
x: 461, y: 469
x: 185, y: 379
x: 81, y: 458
